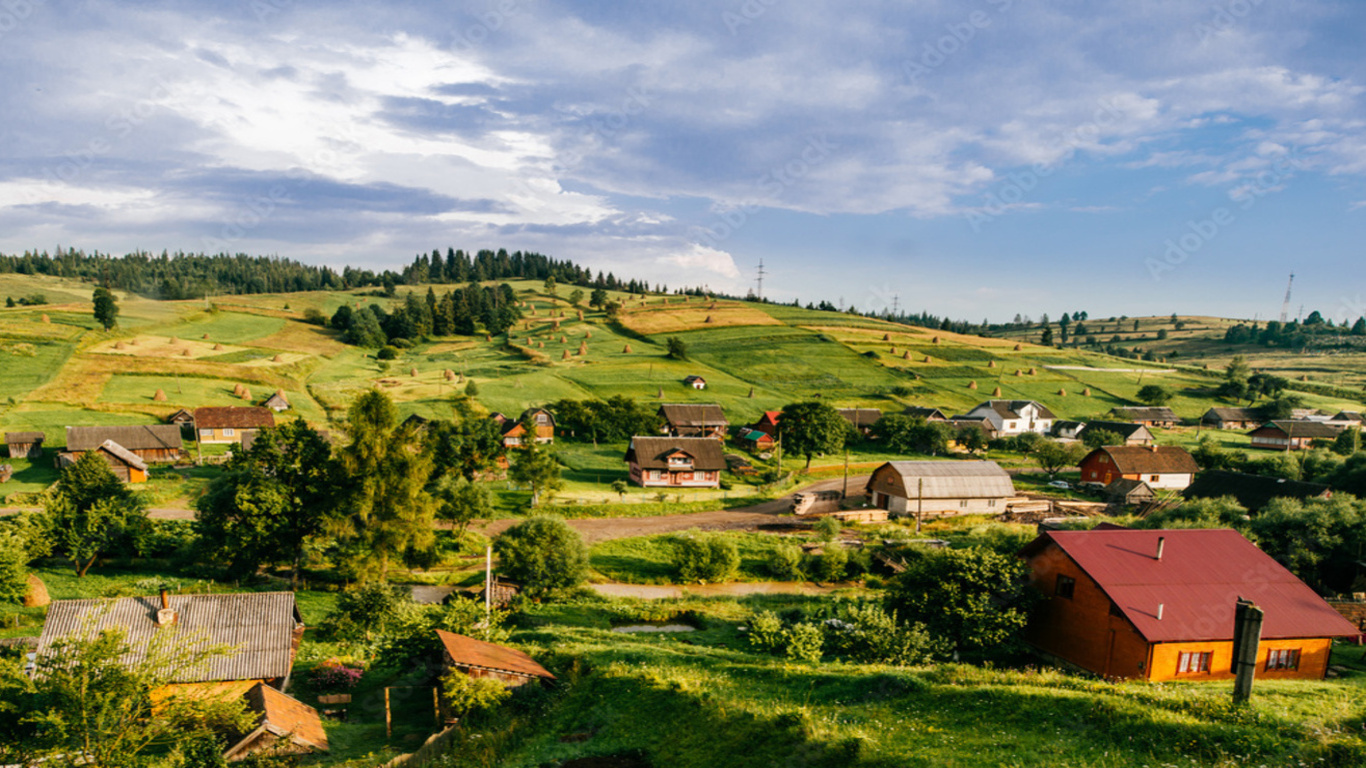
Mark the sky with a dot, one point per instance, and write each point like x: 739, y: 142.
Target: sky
x: 970, y: 158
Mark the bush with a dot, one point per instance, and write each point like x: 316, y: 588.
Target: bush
x: 706, y: 558
x: 464, y: 695
x: 386, y: 352
x: 867, y: 633
x: 766, y: 632
x: 366, y: 610
x: 314, y: 317
x: 803, y: 641
x: 401, y: 343
x: 333, y: 677
x: 828, y: 528
x: 785, y: 563
x: 544, y: 554
x: 830, y: 565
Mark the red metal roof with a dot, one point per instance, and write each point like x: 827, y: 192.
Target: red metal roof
x: 467, y: 651
x: 1197, y: 582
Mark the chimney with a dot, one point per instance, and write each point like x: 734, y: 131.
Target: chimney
x: 165, y: 601
x: 1160, y: 606
x: 1161, y: 544
x: 1153, y: 447
x: 166, y: 616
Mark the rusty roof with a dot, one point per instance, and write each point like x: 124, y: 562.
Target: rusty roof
x: 258, y: 626
x: 285, y: 716
x: 154, y: 437
x: 1149, y: 459
x: 652, y: 452
x: 234, y: 417
x: 1197, y: 582
x: 468, y: 652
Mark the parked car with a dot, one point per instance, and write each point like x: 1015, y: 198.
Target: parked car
x: 1063, y: 484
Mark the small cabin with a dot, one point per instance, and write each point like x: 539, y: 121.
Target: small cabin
x: 477, y: 658
x: 277, y: 402
x: 696, y: 382
x: 25, y: 445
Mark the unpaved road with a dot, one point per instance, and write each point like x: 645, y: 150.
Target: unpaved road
x: 598, y: 529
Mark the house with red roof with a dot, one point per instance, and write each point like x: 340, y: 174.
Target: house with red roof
x: 1158, y: 605
x: 768, y: 423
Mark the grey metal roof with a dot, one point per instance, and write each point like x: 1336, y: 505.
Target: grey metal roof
x: 258, y: 626
x: 1010, y: 409
x: 124, y: 455
x: 155, y: 437
x: 954, y: 479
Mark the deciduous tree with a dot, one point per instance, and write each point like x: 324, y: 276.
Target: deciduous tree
x: 975, y: 599
x: 92, y: 511
x: 810, y: 428
x: 543, y: 554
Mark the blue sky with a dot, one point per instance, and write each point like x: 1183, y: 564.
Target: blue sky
x: 978, y: 158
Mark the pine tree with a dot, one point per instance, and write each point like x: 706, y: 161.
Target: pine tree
x: 106, y: 309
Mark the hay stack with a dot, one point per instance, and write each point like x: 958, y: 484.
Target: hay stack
x: 972, y: 385
x: 996, y: 392
x: 1304, y: 377
x: 118, y: 345
x: 893, y: 352
x: 218, y: 347
x: 488, y: 337
x: 708, y: 320
x: 412, y: 372
x: 184, y: 353
x: 246, y: 394
x: 583, y: 348
x: 906, y: 356
x: 626, y: 350
x: 1086, y: 392
x: 533, y: 310
x: 935, y: 340
x: 565, y: 356
x: 886, y: 337
x: 557, y: 324
x: 237, y: 389
x: 1019, y: 347
x: 660, y: 394
x: 160, y: 396
x: 926, y: 360
x: 132, y: 342
x: 1062, y: 393
x: 46, y: 319
x: 277, y: 359
x: 581, y: 315
x: 588, y: 334
x: 751, y: 393
x: 448, y: 375
x: 205, y: 337
x: 1019, y: 372
x: 35, y: 593
x: 1033, y: 372
x: 171, y: 340
x: 540, y: 345
x: 564, y: 339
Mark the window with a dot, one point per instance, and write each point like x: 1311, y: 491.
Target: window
x: 963, y: 504
x: 991, y: 502
x: 229, y: 432
x: 1283, y: 658
x: 1153, y: 478
x: 541, y: 418
x: 1193, y: 662
x: 1103, y: 459
x: 1065, y: 587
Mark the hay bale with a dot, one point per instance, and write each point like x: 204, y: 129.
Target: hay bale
x: 118, y: 345
x: 46, y: 319
x: 448, y: 375
x: 626, y: 350
x: 557, y: 324
x: 488, y: 337
x: 1086, y: 392
x: 160, y: 396
x: 935, y: 340
x: 991, y: 363
x: 1019, y: 347
x: 1305, y: 377
x: 540, y: 345
x: 886, y: 337
x: 205, y: 337
x: 565, y: 356
x: 278, y: 359
x: 588, y: 334
x: 171, y: 340
x: 412, y: 372
x: 237, y: 389
x: 35, y: 592
x: 926, y: 360
x: 583, y: 348
x: 708, y: 320
x: 893, y: 352
x: 184, y: 353
x: 132, y: 342
x: 1019, y: 372
x: 972, y: 385
x: 581, y: 315
x: 246, y: 394
x: 564, y: 339
x: 1062, y: 393
x: 1033, y: 372
x: 996, y: 392
x: 218, y: 347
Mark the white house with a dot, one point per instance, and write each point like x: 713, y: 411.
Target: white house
x: 1014, y: 417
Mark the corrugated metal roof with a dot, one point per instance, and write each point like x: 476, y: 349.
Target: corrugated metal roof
x: 258, y: 626
x: 477, y: 653
x: 234, y: 417
x: 954, y: 479
x: 124, y: 455
x: 155, y: 437
x: 1197, y: 582
x: 24, y: 437
x: 652, y: 452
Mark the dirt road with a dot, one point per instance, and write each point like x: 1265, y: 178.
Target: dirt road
x: 597, y: 529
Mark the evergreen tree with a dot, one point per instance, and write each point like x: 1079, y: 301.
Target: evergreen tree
x: 535, y: 467
x: 106, y: 309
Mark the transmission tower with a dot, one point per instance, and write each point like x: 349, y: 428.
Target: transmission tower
x: 896, y: 300
x: 1285, y: 308
x: 761, y: 279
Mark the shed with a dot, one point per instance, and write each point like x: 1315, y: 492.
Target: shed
x: 25, y: 445
x: 284, y: 726
x: 693, y: 420
x: 277, y: 402
x: 182, y: 416
x: 1231, y: 418
x: 126, y: 465
x: 1128, y: 491
x: 1162, y: 417
x: 940, y: 487
x: 696, y: 382
x: 755, y: 441
x: 1291, y: 435
x: 861, y: 419
x: 152, y: 443
x: 922, y: 412
x: 477, y: 658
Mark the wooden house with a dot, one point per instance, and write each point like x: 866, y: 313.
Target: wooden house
x: 1129, y: 433
x: 181, y: 417
x: 693, y: 420
x: 930, y: 488
x: 477, y: 658
x: 283, y: 725
x: 1158, y: 605
x: 1346, y: 419
x: 25, y: 445
x: 1164, y: 418
x: 227, y: 424
x: 1128, y: 492
x: 1012, y: 417
x: 1253, y: 492
x: 675, y: 462
x: 696, y: 382
x: 768, y: 423
x: 1231, y: 418
x: 1291, y: 435
x: 755, y: 441
x: 514, y: 430
x: 1161, y: 467
x: 1068, y: 429
x: 126, y: 465
x: 861, y: 419
x: 277, y: 402
x: 922, y: 412
x: 154, y: 443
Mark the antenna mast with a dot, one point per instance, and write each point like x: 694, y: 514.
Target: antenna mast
x: 1285, y: 308
x: 761, y: 279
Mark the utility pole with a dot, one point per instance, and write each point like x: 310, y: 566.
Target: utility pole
x: 761, y: 279
x: 845, y: 494
x: 488, y: 585
x: 1247, y: 635
x: 919, y: 502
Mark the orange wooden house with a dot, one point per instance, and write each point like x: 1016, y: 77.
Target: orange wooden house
x: 1158, y: 605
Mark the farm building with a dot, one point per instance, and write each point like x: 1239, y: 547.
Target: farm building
x: 940, y: 487
x: 861, y: 419
x: 1161, y: 467
x: 126, y: 465
x: 514, y: 430
x: 263, y: 629
x: 1231, y: 418
x: 1012, y: 417
x: 1158, y: 605
x: 1291, y: 435
x: 1068, y: 430
x: 284, y: 726
x: 277, y: 402
x: 1253, y: 492
x: 1164, y: 418
x: 696, y: 382
x: 25, y: 445
x: 922, y: 412
x: 1131, y: 434
x: 768, y: 423
x: 227, y: 424
x: 182, y: 416
x: 675, y: 462
x: 1129, y: 492
x: 1346, y: 419
x: 755, y: 441
x: 693, y: 420
x: 151, y: 443
x: 477, y: 658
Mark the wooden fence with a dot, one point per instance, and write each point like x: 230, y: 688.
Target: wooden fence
x: 436, y: 745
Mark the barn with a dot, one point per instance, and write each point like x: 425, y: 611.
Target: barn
x: 1231, y: 418
x: 153, y: 444
x: 1162, y: 417
x: 929, y: 488
x: 125, y: 464
x: 1158, y: 605
x: 1291, y: 435
x: 477, y: 658
x: 25, y: 445
x: 1161, y: 467
x: 693, y: 420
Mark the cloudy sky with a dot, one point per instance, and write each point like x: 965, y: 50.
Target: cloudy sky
x: 977, y: 158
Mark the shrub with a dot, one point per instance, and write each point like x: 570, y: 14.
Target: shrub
x: 401, y: 343
x: 830, y: 565
x: 828, y: 528
x: 367, y: 610
x: 803, y: 641
x: 866, y: 632
x: 544, y: 554
x: 464, y: 695
x: 313, y: 316
x: 765, y: 632
x: 785, y: 563
x: 706, y: 558
x: 386, y: 352
x: 333, y: 677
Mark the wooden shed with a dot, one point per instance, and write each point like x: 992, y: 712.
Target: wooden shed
x: 25, y: 445
x: 284, y: 726
x: 694, y: 420
x: 127, y: 466
x: 152, y: 443
x: 477, y: 658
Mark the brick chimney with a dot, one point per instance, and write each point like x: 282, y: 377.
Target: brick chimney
x: 166, y: 616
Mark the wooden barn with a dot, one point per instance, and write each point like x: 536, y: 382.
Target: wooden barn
x: 1253, y: 492
x: 861, y: 419
x: 1158, y: 605
x: 227, y: 424
x: 675, y: 462
x: 126, y: 465
x: 767, y: 423
x: 277, y: 402
x: 1164, y: 418
x: 477, y: 658
x: 755, y: 441
x: 932, y: 488
x: 1161, y: 467
x: 283, y: 726
x: 1129, y: 433
x: 693, y: 420
x: 1231, y: 418
x: 1128, y: 492
x: 154, y: 444
x: 922, y: 412
x: 182, y: 416
x: 1291, y: 435
x: 25, y: 445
